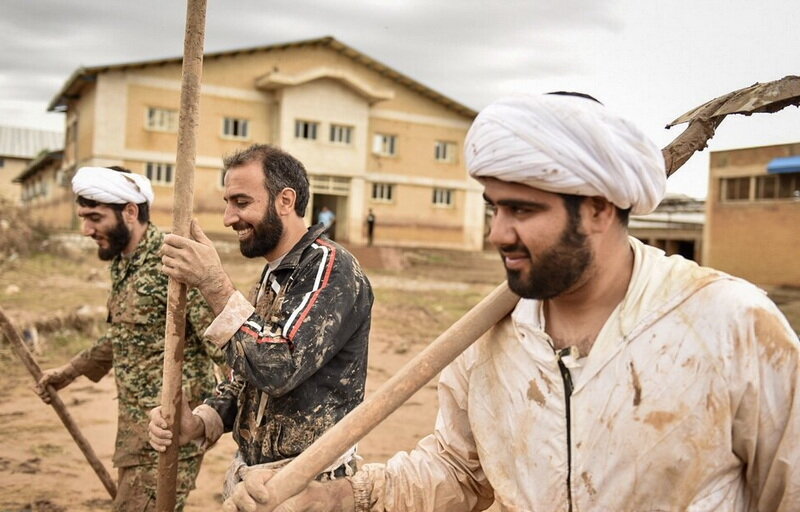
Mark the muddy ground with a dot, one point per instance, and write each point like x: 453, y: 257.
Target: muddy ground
x: 418, y: 295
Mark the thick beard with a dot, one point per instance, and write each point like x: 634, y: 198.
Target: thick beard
x: 265, y: 237
x: 118, y: 238
x: 558, y: 268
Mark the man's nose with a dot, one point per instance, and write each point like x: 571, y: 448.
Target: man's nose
x: 87, y: 228
x: 229, y: 218
x: 501, y: 231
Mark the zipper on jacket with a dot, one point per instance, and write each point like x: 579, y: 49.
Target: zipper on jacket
x: 566, y: 377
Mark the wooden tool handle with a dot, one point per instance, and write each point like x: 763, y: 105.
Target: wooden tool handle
x: 22, y: 352
x: 392, y: 394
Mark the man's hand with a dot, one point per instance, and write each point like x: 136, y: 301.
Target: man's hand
x: 59, y: 377
x: 251, y: 496
x: 192, y: 428
x: 196, y: 263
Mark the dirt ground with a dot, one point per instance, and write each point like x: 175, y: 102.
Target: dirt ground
x: 418, y: 295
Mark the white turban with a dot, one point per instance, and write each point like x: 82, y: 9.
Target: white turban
x: 112, y: 187
x: 567, y: 145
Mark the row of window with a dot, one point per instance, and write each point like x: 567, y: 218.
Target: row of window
x: 383, y: 144
x: 166, y: 120
x: 384, y: 192
x: 760, y: 188
x: 163, y: 174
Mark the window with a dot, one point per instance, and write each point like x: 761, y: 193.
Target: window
x: 442, y: 197
x: 789, y: 186
x: 382, y: 192
x: 766, y: 187
x: 383, y: 144
x: 235, y: 128
x: 305, y: 130
x: 445, y: 151
x: 341, y: 134
x: 735, y: 189
x: 159, y: 173
x: 162, y: 119
x: 2, y: 162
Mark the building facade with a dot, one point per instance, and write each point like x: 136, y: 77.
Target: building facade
x: 753, y: 213
x: 370, y: 137
x: 18, y: 147
x: 676, y: 226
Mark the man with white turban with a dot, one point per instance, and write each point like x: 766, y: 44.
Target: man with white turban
x: 624, y: 380
x: 114, y: 207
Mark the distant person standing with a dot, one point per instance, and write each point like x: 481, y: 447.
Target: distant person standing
x: 327, y: 218
x: 370, y: 227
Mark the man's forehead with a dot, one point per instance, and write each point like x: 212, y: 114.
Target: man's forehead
x: 99, y: 209
x: 494, y: 189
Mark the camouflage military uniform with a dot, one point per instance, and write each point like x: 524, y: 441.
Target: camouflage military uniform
x: 299, y: 357
x: 134, y: 346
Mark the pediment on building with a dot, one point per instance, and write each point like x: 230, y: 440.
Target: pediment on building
x: 277, y: 80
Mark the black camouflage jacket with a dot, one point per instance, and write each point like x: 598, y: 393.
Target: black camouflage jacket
x: 301, y: 356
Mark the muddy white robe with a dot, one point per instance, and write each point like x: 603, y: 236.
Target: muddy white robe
x: 687, y: 401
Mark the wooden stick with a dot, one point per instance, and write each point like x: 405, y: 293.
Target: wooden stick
x: 296, y: 475
x: 22, y: 352
x: 175, y: 329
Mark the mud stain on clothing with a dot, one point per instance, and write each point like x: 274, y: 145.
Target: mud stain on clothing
x: 660, y: 419
x: 535, y: 394
x: 587, y: 481
x: 637, y: 387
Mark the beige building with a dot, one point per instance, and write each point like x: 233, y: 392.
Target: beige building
x: 676, y: 226
x: 370, y: 137
x: 753, y: 213
x: 18, y: 147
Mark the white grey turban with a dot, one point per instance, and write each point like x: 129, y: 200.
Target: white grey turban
x: 568, y: 145
x: 112, y: 187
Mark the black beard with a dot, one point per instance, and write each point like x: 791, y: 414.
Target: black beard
x: 118, y: 239
x: 557, y: 270
x: 266, y: 235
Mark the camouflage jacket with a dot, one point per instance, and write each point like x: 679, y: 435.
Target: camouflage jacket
x: 300, y: 360
x: 134, y: 346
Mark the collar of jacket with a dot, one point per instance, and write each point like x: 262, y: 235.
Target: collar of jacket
x: 292, y: 258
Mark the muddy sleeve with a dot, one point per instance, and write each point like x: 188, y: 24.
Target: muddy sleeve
x: 200, y: 316
x: 314, y: 318
x: 766, y: 405
x: 96, y: 361
x: 225, y: 401
x: 442, y: 473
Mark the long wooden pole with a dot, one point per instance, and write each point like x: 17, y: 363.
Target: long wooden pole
x: 296, y: 475
x: 22, y: 352
x: 175, y: 330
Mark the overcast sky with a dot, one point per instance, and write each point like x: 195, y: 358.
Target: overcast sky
x: 650, y: 60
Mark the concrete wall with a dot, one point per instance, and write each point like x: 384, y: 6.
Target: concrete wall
x: 754, y: 239
x: 10, y: 169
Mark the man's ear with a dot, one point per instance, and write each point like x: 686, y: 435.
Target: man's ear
x: 599, y: 214
x: 285, y: 200
x: 130, y: 213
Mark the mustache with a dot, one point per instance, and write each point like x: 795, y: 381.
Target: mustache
x: 514, y: 249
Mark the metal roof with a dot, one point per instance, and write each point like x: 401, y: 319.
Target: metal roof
x: 80, y: 76
x: 17, y: 142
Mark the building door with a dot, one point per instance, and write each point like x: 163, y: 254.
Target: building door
x: 331, y: 192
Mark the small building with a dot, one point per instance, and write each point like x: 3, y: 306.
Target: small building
x: 369, y: 136
x: 676, y: 226
x: 753, y: 213
x: 46, y: 191
x: 18, y: 147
